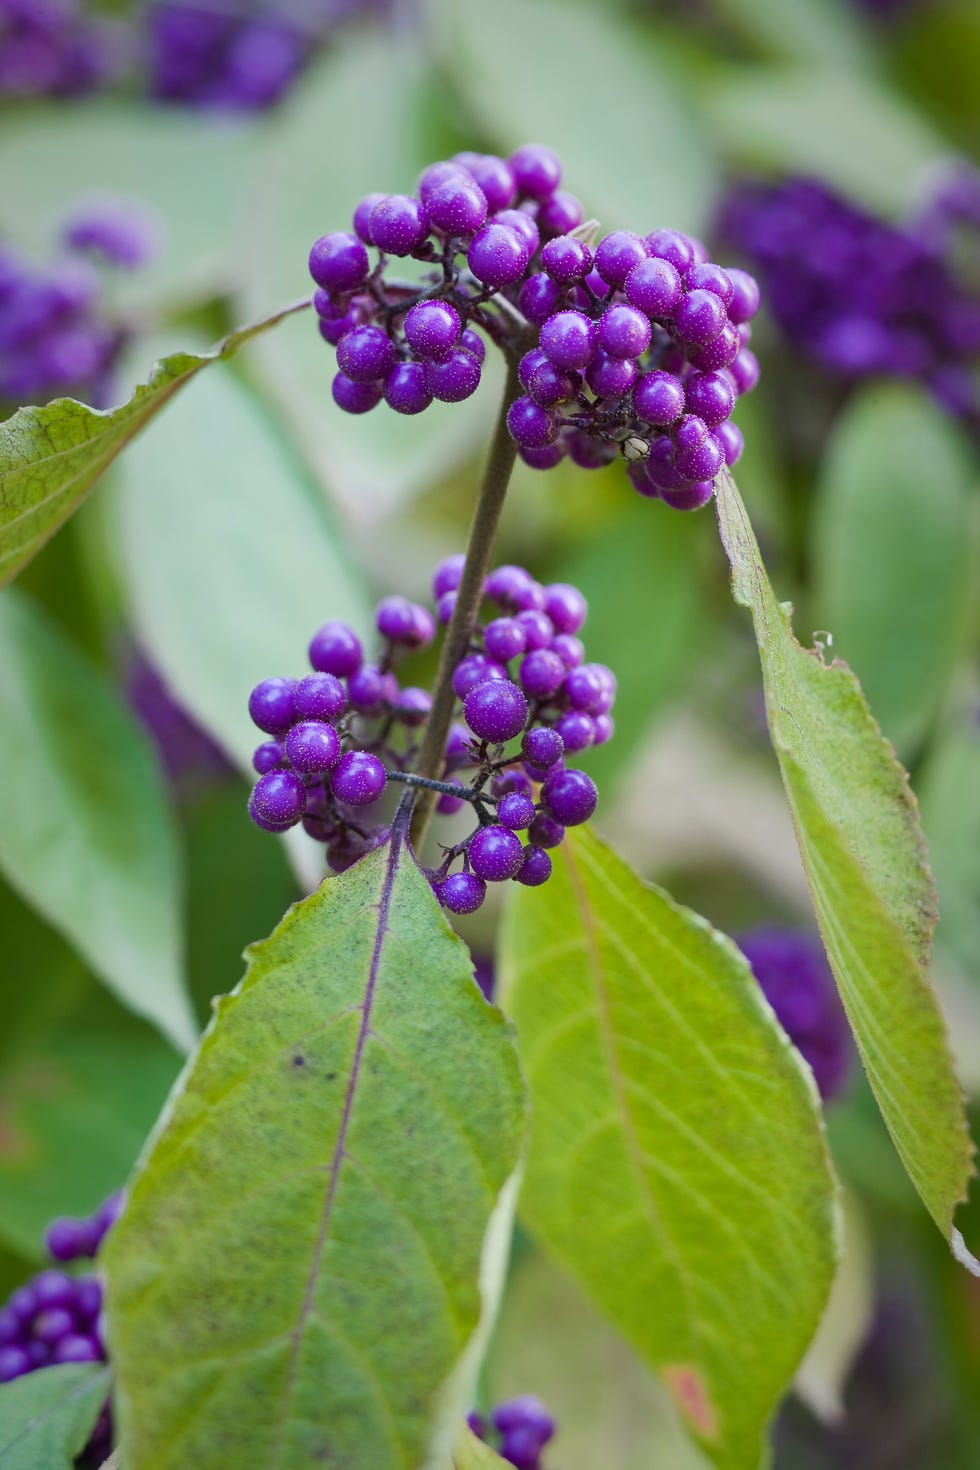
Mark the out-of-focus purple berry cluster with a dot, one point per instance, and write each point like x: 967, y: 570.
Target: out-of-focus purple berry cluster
x: 792, y: 970
x: 57, y: 336
x: 527, y: 698
x: 523, y: 1427
x: 53, y: 48
x: 637, y: 347
x: 56, y: 1317
x: 865, y: 297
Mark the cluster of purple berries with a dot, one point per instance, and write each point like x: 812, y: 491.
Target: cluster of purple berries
x: 52, y: 48
x: 865, y: 297
x: 523, y: 1427
x: 343, y: 732
x: 55, y: 1317
x: 56, y: 336
x: 637, y: 347
x: 792, y: 970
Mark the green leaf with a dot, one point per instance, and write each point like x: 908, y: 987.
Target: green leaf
x: 46, y: 1417
x: 862, y: 848
x: 470, y: 1453
x: 377, y: 462
x: 86, y: 835
x: 823, y: 1374
x: 297, y: 1275
x: 191, y: 177
x: 636, y: 155
x: 609, y: 1408
x: 230, y: 558
x: 51, y: 457
x: 950, y: 796
x: 805, y: 120
x: 894, y: 534
x: 825, y: 32
x: 677, y: 1165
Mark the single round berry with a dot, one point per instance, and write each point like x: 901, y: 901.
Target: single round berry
x: 729, y: 436
x: 462, y: 893
x: 14, y: 1363
x: 538, y: 628
x: 395, y: 619
x: 472, y: 342
x: 523, y: 226
x: 719, y: 353
x: 336, y: 649
x: 515, y: 811
x: 569, y: 649
x: 673, y: 246
x: 570, y: 797
x: 561, y: 213
x: 366, y: 689
x: 504, y: 639
x: 280, y: 797
x: 624, y: 331
x: 710, y: 277
x: 494, y: 176
x: 358, y: 778
x: 457, y: 207
x: 699, y: 317
x: 354, y: 397
x: 432, y: 328
x: 339, y: 262
x: 497, y: 255
x: 75, y: 1348
x: 745, y: 371
x: 530, y: 425
x: 495, y: 710
x: 312, y: 747
x: 567, y: 260
x: 604, y: 729
x: 617, y: 255
x: 542, y: 747
x: 536, y: 170
x: 689, y: 497
x: 710, y: 396
x: 320, y: 697
x: 266, y: 757
x: 444, y: 172
x: 413, y: 706
x: 455, y: 378
x: 365, y: 354
x: 542, y: 459
x: 610, y: 377
x: 495, y: 853
x: 535, y: 868
x: 542, y: 673
x: 66, y: 1239
x: 690, y: 432
x: 475, y: 669
x: 538, y: 298
x: 654, y: 286
x: 565, y: 606
x: 529, y: 365
x: 549, y: 386
x: 52, y: 1325
x: 567, y: 340
x: 406, y: 390
x: 745, y: 297
x: 272, y: 705
x: 588, y: 452
x: 514, y: 588
x: 658, y: 397
x: 398, y: 224
x: 448, y: 574
x: 362, y: 217
x: 703, y: 462
x: 577, y: 730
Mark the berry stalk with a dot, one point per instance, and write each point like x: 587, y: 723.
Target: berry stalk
x: 479, y: 550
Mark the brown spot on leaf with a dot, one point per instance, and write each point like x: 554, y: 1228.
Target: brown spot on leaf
x: 689, y: 1393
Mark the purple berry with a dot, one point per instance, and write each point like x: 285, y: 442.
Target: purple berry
x: 702, y: 462
x: 497, y: 255
x: 339, y: 262
x: 366, y: 689
x: 538, y: 628
x: 514, y: 588
x: 658, y: 397
x: 535, y: 868
x: 362, y: 217
x: 14, y: 1363
x: 462, y: 893
x: 494, y: 176
x: 565, y: 606
x: 280, y: 797
x: 354, y: 397
x: 560, y: 214
x: 52, y: 1325
x: 454, y: 379
x: 312, y: 747
x: 570, y: 797
x: 617, y: 255
x: 513, y: 779
x: 567, y: 260
x: 523, y: 226
x: 530, y: 425
x: 437, y: 174
x: 624, y: 332
x: 671, y: 245
x: 448, y: 574
x: 475, y: 669
x: 690, y: 432
x: 398, y: 224
x: 688, y: 497
x: 699, y: 317
x: 504, y: 639
x: 729, y: 436
x: 320, y: 697
x: 395, y: 619
x: 457, y: 206
x: 654, y: 286
x: 542, y: 673
x: 577, y: 730
x: 569, y: 649
x: 365, y: 354
x: 495, y: 854
x: 413, y: 706
x: 67, y: 1239
x: 336, y: 649
x: 539, y: 296
x: 710, y: 277
x: 272, y: 705
x: 710, y: 396
x: 584, y: 689
x: 358, y: 778
x: 549, y: 386
x: 536, y: 170
x: 515, y: 811
x: 405, y: 388
x: 495, y: 710
x: 719, y: 353
x: 567, y: 341
x: 472, y: 342
x: 542, y: 459
x: 745, y: 297
x: 610, y: 377
x: 542, y: 747
x: 745, y: 371
x: 74, y: 1348
x: 432, y: 328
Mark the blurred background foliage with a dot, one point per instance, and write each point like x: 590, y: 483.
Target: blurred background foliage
x: 253, y: 510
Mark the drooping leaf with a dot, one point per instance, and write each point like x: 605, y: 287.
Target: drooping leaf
x: 609, y: 1408
x: 677, y: 1165
x: 230, y: 558
x: 86, y: 835
x: 804, y: 120
x: 637, y: 115
x: 46, y: 1417
x: 893, y: 542
x: 51, y: 457
x: 858, y: 829
x: 376, y: 462
x: 950, y: 795
x: 190, y: 178
x: 297, y: 1275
